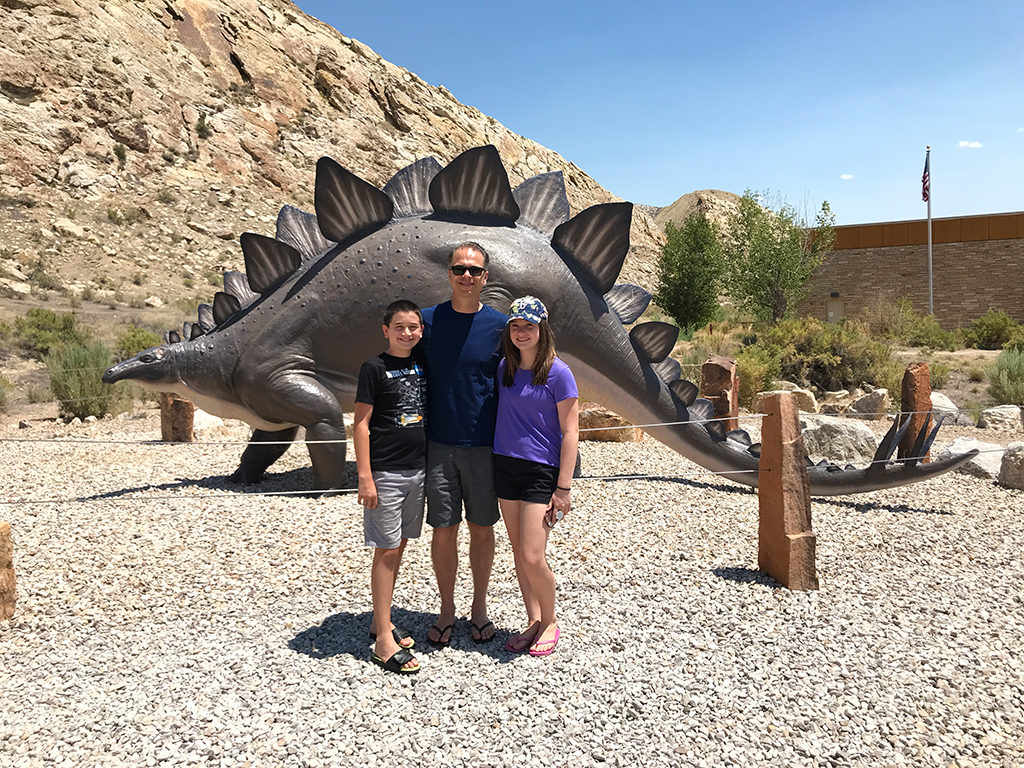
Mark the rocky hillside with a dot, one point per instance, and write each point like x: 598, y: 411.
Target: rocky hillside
x: 139, y: 139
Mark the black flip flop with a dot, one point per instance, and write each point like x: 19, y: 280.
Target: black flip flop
x: 396, y: 663
x: 480, y: 640
x: 439, y: 643
x: 400, y: 634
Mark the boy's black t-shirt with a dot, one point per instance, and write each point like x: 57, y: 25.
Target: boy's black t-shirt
x: 396, y: 387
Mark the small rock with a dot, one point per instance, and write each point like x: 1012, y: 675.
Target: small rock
x: 1011, y: 470
x: 941, y: 404
x: 24, y: 425
x: 154, y: 301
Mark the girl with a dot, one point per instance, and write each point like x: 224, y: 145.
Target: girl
x: 535, y: 442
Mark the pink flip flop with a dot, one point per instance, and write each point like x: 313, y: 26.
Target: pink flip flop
x: 545, y: 647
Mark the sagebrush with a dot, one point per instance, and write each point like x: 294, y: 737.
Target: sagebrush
x: 76, y: 372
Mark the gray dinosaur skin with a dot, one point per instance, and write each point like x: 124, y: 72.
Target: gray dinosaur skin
x: 292, y: 357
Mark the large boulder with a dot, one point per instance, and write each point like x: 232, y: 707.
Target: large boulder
x: 1003, y: 418
x: 985, y: 464
x: 1011, y: 470
x: 837, y: 401
x: 844, y: 441
x: 599, y: 424
x: 873, y: 405
x: 953, y: 416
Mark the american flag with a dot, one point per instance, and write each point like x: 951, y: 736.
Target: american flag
x: 926, y: 179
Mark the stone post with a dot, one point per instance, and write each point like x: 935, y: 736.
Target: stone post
x: 917, y: 397
x: 176, y: 414
x: 785, y: 539
x: 720, y: 384
x: 7, y: 586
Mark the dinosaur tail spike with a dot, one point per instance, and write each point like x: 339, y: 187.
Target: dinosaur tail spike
x: 686, y: 391
x: 628, y: 302
x: 702, y: 409
x: 717, y: 431
x: 668, y: 370
x: 171, y: 337
x: 197, y: 331
x: 543, y: 202
x: 474, y: 186
x: 597, y: 240
x: 654, y: 340
x: 888, y: 444
x: 186, y: 330
x: 740, y: 436
x: 237, y: 284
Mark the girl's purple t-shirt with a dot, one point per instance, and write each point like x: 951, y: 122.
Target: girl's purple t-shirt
x: 527, y: 426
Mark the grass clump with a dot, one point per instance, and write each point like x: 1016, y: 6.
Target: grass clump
x: 756, y: 367
x: 897, y: 321
x: 1006, y: 378
x: 76, y: 380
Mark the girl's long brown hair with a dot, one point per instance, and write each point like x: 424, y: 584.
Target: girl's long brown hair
x: 541, y: 364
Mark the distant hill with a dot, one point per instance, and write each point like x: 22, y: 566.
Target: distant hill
x: 713, y: 203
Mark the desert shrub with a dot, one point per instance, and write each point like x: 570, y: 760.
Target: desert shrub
x: 1006, y: 378
x: 1016, y: 340
x: 166, y: 196
x: 939, y: 374
x: 831, y: 356
x: 41, y: 331
x: 40, y: 274
x: 202, y: 128
x: 75, y: 378
x: 898, y: 321
x: 133, y: 340
x: 5, y: 393
x: 975, y: 375
x: 991, y: 331
x: 756, y: 367
x: 121, y: 154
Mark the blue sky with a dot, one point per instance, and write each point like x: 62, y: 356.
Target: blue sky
x: 808, y: 100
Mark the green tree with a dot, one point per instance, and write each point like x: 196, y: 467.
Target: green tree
x: 690, y: 270
x: 771, y: 254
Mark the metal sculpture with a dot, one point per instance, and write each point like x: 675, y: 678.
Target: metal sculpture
x: 281, y: 346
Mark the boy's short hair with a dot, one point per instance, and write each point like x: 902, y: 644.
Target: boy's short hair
x: 402, y: 305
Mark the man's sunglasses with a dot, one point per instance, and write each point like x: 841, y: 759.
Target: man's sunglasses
x: 461, y: 269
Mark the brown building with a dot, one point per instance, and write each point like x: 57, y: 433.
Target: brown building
x: 977, y: 265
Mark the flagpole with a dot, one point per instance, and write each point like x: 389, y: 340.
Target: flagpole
x: 927, y: 166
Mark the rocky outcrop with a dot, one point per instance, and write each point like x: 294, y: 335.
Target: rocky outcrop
x: 136, y: 121
x: 715, y: 204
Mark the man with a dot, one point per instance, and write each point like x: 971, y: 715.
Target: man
x: 462, y: 337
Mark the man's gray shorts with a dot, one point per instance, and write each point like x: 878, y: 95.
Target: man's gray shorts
x: 458, y: 474
x: 399, y: 511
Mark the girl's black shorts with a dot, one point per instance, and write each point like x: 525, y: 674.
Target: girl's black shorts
x: 524, y: 480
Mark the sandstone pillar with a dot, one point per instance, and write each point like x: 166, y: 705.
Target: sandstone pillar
x: 720, y: 384
x: 7, y: 586
x: 785, y: 539
x: 176, y: 414
x: 917, y: 397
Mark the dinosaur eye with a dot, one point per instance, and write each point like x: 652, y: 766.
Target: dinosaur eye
x: 147, y: 358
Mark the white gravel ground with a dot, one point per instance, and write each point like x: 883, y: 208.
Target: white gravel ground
x: 166, y: 618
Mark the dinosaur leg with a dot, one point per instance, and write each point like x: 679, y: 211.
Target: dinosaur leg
x: 300, y: 398
x: 263, y: 450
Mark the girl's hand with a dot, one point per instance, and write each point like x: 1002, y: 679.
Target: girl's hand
x: 559, y: 507
x: 367, y: 493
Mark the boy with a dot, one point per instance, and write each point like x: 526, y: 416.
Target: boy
x: 390, y: 448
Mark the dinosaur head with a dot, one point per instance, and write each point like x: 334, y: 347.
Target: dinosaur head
x: 155, y: 368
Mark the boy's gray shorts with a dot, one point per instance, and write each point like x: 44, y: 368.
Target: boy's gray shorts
x: 458, y: 474
x: 399, y: 511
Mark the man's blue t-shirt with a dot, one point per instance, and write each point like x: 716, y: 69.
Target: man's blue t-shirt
x: 462, y: 353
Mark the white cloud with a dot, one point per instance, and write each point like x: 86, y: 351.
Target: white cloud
x: 968, y: 144
x: 1020, y: 130
x: 846, y: 176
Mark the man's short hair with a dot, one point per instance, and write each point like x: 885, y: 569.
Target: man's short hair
x: 469, y: 245
x: 402, y: 305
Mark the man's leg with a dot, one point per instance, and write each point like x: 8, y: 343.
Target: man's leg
x: 481, y: 560
x: 444, y: 513
x: 444, y: 550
